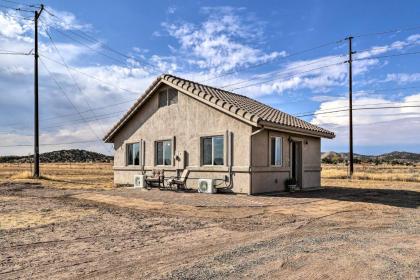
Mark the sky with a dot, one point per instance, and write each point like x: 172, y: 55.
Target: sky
x: 97, y: 57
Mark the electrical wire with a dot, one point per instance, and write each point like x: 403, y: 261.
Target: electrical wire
x: 16, y: 9
x: 74, y: 114
x: 48, y: 144
x: 271, y: 61
x: 72, y: 104
x: 359, y: 109
x: 101, y: 44
x: 284, y: 72
x: 90, y: 76
x: 385, y: 47
x: 386, y: 56
x: 357, y: 105
x: 290, y: 76
x: 395, y: 30
x: 72, y: 77
x: 23, y: 4
x: 14, y: 53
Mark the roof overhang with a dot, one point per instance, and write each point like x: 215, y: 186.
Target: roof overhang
x: 296, y: 130
x: 206, y: 99
x: 196, y: 92
x: 108, y: 137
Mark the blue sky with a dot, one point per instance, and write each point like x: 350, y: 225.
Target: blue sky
x: 208, y: 41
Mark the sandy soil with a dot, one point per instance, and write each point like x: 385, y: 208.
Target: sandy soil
x: 350, y: 230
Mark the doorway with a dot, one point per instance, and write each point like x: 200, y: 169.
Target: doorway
x: 296, y: 159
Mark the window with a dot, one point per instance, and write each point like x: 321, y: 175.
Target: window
x: 164, y: 152
x: 212, y: 150
x: 133, y: 154
x: 276, y: 151
x: 168, y: 97
x: 172, y: 96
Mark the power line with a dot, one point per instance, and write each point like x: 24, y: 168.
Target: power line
x: 290, y: 76
x: 8, y: 14
x: 71, y: 75
x: 385, y: 89
x: 16, y: 9
x: 395, y: 30
x: 83, y: 35
x: 359, y: 109
x: 385, y: 56
x: 385, y: 47
x: 271, y: 61
x: 14, y: 53
x: 372, y: 91
x: 97, y: 118
x: 286, y: 71
x: 92, y: 49
x: 65, y: 124
x: 73, y: 114
x: 359, y: 105
x: 23, y: 4
x: 89, y: 75
x: 71, y: 102
x: 48, y: 144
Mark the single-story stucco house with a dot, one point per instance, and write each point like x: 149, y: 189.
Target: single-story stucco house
x: 247, y: 146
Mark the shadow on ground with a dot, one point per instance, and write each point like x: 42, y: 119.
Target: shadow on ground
x: 398, y: 198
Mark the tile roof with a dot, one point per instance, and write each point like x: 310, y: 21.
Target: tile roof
x: 244, y: 107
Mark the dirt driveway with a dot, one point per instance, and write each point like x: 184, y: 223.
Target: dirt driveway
x: 335, y: 233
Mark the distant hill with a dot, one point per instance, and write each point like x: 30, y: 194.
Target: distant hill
x: 73, y: 155
x: 392, y: 158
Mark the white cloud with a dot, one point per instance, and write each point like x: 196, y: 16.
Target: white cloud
x: 227, y: 39
x: 63, y: 20
x: 221, y: 42
x: 373, y: 127
x: 412, y: 40
x: 403, y: 78
x: 16, y: 84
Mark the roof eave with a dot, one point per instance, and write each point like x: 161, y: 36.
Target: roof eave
x: 291, y: 129
x: 140, y: 101
x: 212, y: 102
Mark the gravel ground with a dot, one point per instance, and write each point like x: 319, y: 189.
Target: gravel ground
x: 335, y: 233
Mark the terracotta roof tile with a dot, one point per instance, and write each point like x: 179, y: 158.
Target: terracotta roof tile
x: 244, y: 106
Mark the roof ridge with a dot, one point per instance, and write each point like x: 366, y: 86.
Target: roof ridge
x: 243, y: 106
x: 212, y: 87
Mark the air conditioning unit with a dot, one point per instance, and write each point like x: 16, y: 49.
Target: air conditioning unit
x: 139, y: 181
x: 206, y: 186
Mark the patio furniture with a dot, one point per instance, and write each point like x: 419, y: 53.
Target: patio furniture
x: 156, y: 179
x: 178, y: 183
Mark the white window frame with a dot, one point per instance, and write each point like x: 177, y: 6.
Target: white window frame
x: 278, y: 140
x: 127, y: 145
x: 212, y: 150
x: 163, y: 152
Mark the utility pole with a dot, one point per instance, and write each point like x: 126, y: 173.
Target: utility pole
x: 36, y: 113
x: 350, y: 61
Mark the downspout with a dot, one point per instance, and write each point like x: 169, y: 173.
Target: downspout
x: 250, y: 156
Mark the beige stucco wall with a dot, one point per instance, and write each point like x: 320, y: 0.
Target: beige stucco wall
x: 187, y: 121
x: 267, y: 178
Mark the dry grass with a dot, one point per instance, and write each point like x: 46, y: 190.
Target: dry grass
x: 100, y: 175
x: 373, y: 172
x: 61, y: 175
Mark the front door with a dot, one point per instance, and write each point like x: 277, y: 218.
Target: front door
x: 297, y: 162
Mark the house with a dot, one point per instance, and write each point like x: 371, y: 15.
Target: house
x: 246, y: 146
